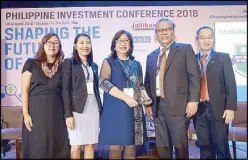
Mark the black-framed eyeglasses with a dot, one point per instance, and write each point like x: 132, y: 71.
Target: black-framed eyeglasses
x: 160, y: 31
x: 49, y: 43
x: 120, y: 41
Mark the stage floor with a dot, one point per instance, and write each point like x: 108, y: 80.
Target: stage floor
x: 194, y: 152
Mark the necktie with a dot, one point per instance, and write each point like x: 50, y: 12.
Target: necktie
x: 204, y: 85
x: 162, y: 59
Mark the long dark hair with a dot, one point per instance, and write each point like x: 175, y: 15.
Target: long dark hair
x: 116, y: 37
x: 41, y: 54
x: 75, y: 52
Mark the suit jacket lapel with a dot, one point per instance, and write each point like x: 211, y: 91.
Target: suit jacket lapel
x: 154, y: 62
x: 78, y: 67
x: 213, y: 60
x: 198, y: 61
x: 95, y: 80
x: 173, y: 50
x: 94, y: 69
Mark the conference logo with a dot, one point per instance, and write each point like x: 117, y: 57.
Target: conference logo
x: 240, y: 59
x: 142, y: 39
x: 143, y: 26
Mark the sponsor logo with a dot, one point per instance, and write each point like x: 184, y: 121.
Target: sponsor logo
x: 240, y: 59
x: 142, y: 39
x: 143, y: 26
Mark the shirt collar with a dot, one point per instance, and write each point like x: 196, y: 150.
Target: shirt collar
x: 208, y: 53
x: 160, y: 47
x: 85, y: 63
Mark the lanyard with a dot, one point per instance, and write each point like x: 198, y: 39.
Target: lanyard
x: 88, y: 73
x: 205, y: 66
x: 126, y: 70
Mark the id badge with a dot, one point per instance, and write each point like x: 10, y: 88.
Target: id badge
x: 90, y: 87
x: 129, y: 91
x: 157, y: 86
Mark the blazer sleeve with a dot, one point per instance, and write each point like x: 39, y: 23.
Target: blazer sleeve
x: 230, y: 84
x: 67, y: 87
x: 194, y: 76
x: 147, y: 79
x: 105, y: 76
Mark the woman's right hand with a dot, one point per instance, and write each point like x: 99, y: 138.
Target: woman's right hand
x: 130, y: 101
x: 70, y: 123
x: 28, y: 122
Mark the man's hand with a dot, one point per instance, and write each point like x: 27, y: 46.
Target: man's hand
x: 191, y: 109
x: 148, y: 111
x: 229, y: 115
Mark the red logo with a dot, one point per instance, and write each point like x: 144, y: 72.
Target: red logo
x: 142, y: 26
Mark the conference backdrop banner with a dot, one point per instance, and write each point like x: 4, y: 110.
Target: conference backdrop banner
x: 22, y: 30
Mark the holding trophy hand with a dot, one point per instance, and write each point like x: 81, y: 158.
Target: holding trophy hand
x: 145, y: 99
x: 130, y: 101
x: 140, y: 92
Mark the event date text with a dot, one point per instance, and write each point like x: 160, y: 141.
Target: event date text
x: 38, y: 23
x: 187, y: 13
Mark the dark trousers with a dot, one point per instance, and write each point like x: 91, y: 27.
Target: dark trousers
x: 212, y: 134
x: 170, y: 131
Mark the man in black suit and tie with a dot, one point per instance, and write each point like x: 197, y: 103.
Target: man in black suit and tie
x: 172, y: 80
x: 218, y: 97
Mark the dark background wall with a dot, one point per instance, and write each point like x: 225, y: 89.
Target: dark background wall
x: 40, y: 4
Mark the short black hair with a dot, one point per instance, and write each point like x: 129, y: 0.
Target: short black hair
x: 201, y: 28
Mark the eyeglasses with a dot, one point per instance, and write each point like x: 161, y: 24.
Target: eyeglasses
x: 49, y: 43
x: 120, y: 41
x: 160, y: 31
x: 206, y: 38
